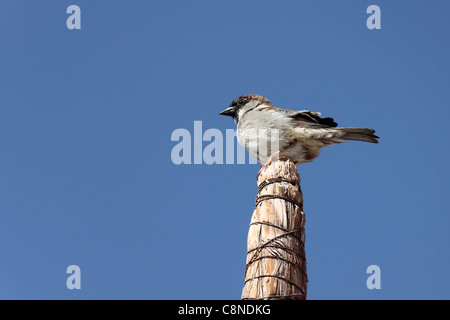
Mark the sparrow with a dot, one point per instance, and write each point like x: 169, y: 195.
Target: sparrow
x: 270, y: 133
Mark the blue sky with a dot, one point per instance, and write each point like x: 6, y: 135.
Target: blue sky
x: 86, y: 118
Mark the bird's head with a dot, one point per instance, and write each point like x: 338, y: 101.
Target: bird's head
x: 244, y: 104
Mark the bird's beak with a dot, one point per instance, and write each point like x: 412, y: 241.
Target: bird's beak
x: 230, y: 111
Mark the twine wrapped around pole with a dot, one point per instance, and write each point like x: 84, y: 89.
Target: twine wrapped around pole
x: 276, y: 262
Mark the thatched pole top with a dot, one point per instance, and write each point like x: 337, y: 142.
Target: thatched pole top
x: 276, y: 263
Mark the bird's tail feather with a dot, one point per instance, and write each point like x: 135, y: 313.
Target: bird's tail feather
x: 359, y: 134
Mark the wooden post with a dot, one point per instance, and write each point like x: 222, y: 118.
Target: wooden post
x: 276, y: 262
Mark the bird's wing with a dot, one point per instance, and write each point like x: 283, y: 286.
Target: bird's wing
x: 302, y: 118
x: 307, y: 118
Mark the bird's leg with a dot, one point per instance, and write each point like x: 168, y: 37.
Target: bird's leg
x: 276, y: 156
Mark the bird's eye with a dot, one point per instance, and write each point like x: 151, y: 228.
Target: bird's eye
x: 242, y: 101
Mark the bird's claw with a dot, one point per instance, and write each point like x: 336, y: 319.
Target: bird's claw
x: 274, y: 157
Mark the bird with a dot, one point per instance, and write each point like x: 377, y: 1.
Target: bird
x: 270, y: 133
